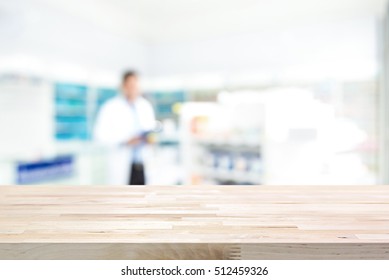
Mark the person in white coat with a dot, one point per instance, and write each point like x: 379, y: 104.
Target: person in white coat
x: 122, y: 125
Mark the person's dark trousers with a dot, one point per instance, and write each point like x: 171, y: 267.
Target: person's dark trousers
x: 137, y: 174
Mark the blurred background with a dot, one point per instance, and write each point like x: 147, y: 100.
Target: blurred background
x: 247, y: 91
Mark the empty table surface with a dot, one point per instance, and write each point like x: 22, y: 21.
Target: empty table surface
x: 194, y: 214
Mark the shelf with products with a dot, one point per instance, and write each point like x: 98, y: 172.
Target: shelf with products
x: 228, y: 177
x: 76, y: 108
x: 232, y: 163
x: 222, y: 144
x: 232, y: 143
x: 166, y: 104
x: 229, y: 165
x: 71, y: 111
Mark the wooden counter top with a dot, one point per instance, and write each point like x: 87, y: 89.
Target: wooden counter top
x: 194, y: 214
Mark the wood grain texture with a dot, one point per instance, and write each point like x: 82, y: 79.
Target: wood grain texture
x: 117, y: 251
x: 195, y: 215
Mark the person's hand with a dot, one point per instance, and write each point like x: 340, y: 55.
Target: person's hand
x: 151, y: 138
x: 134, y: 141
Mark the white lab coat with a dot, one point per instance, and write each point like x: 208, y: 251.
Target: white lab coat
x: 114, y: 126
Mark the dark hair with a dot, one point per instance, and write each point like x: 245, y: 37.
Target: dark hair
x: 129, y: 74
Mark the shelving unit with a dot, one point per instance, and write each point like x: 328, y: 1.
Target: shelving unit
x: 233, y: 161
x: 71, y: 112
x: 164, y: 103
x: 76, y: 108
x: 218, y: 149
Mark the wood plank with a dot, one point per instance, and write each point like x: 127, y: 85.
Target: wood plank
x: 204, y: 215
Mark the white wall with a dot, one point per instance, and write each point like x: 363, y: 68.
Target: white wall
x: 46, y: 41
x: 57, y: 42
x: 26, y: 127
x: 342, y: 49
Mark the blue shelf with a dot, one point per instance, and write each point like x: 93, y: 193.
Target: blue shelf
x: 164, y: 101
x: 71, y: 112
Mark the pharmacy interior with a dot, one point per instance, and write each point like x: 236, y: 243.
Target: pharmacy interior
x: 293, y: 102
